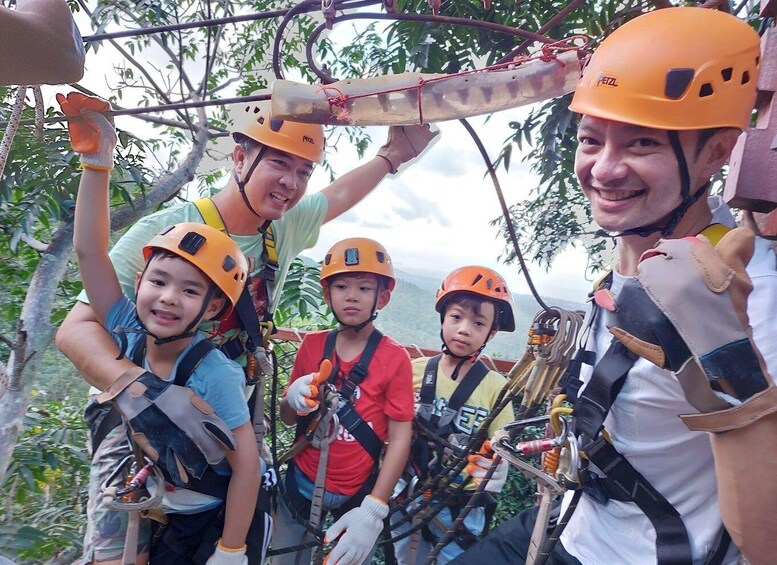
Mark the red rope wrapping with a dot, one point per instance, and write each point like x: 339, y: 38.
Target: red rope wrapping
x: 547, y: 53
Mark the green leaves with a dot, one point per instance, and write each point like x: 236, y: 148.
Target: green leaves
x: 302, y: 302
x: 45, y: 486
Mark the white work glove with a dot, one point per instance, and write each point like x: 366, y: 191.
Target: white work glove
x: 362, y: 526
x: 405, y: 143
x: 92, y: 133
x: 226, y: 556
x: 480, y: 463
x: 302, y: 394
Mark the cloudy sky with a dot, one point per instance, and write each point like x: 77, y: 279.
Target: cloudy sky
x: 434, y: 215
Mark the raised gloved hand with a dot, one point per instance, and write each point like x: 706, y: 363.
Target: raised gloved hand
x: 480, y: 463
x: 302, y: 395
x: 226, y: 556
x: 686, y: 311
x: 171, y: 424
x: 405, y: 143
x: 362, y: 526
x: 91, y: 133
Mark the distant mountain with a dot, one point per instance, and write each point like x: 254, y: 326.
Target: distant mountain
x: 410, y: 317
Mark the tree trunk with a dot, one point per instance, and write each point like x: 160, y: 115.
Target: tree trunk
x: 34, y: 332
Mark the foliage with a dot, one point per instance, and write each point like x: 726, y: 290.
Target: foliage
x: 45, y: 489
x: 37, y: 194
x: 302, y: 303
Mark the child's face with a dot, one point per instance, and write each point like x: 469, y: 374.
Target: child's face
x: 170, y: 294
x: 351, y: 297
x: 464, y: 330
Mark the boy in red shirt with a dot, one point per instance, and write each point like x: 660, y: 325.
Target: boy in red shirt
x: 357, y: 278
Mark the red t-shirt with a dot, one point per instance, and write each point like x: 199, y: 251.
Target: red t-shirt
x: 386, y: 393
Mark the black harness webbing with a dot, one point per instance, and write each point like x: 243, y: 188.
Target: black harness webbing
x: 622, y: 481
x: 434, y: 430
x: 594, y: 403
x: 444, y: 423
x: 346, y: 413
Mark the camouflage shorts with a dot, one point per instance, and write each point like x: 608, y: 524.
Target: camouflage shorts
x: 106, y: 529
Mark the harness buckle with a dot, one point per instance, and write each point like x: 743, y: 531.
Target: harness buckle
x: 594, y: 488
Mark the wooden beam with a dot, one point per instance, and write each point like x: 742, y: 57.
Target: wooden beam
x: 752, y: 179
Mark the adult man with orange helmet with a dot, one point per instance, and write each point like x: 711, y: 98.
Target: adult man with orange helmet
x: 663, y: 101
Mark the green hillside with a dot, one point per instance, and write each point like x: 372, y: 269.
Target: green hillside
x: 410, y: 317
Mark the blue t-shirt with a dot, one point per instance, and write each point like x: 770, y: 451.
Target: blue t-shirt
x: 219, y: 381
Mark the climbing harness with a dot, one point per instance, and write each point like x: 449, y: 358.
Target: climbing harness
x: 438, y: 438
x: 320, y: 428
x: 133, y: 497
x: 617, y: 479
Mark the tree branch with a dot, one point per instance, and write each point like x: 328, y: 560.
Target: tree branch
x: 135, y: 63
x: 6, y: 341
x: 38, y: 246
x: 169, y: 184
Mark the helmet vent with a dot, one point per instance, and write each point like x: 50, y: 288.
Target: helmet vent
x: 276, y: 124
x: 726, y: 73
x: 745, y: 77
x: 677, y: 81
x: 477, y: 279
x: 352, y: 256
x: 328, y: 259
x: 191, y: 243
x: 381, y: 256
x: 228, y: 264
x: 706, y: 90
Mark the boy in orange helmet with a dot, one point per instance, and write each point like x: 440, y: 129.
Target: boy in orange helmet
x: 373, y: 380
x: 454, y: 394
x: 192, y: 273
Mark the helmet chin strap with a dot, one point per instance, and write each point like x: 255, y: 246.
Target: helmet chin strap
x: 680, y: 211
x: 472, y: 357
x: 241, y: 184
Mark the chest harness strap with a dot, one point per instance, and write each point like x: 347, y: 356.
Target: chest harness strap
x: 346, y: 413
x: 621, y: 481
x: 437, y: 428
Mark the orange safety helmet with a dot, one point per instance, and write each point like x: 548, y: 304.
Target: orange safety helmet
x: 674, y: 69
x: 483, y: 282
x: 358, y: 255
x: 254, y: 120
x: 211, y: 251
